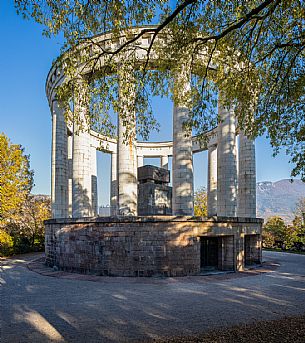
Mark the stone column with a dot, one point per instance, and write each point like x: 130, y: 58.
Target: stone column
x: 70, y: 166
x: 164, y: 162
x: 226, y: 162
x: 212, y: 181
x: 182, y: 170
x: 246, y: 201
x: 82, y: 154
x: 93, y: 170
x: 113, y: 185
x: 59, y: 187
x: 140, y: 161
x: 127, y: 149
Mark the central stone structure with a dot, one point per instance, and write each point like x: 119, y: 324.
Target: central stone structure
x: 154, y: 194
x: 132, y: 242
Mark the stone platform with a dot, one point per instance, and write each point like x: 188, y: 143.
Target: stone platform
x: 151, y: 246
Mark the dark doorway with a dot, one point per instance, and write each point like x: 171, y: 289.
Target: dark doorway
x: 209, y: 252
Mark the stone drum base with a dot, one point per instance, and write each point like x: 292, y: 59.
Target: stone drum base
x: 152, y: 246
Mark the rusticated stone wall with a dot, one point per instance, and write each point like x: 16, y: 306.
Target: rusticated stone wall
x: 142, y: 246
x: 253, y: 249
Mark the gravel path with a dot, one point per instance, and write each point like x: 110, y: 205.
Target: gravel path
x: 284, y: 330
x: 38, y: 308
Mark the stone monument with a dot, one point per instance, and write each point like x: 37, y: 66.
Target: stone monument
x: 168, y: 240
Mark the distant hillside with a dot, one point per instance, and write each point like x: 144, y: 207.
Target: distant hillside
x: 279, y: 198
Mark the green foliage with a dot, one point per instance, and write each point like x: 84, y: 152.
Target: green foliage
x: 299, y: 222
x: 200, y: 203
x: 291, y: 236
x: 276, y: 227
x: 252, y: 50
x: 6, y: 243
x: 277, y: 234
x: 268, y: 239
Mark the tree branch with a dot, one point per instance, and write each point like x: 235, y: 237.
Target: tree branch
x: 249, y: 16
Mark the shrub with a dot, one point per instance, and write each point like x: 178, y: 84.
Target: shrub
x: 6, y: 243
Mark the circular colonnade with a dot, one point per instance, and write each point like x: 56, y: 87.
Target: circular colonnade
x: 231, y: 173
x: 131, y: 245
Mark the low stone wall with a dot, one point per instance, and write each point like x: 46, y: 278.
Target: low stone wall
x: 143, y: 246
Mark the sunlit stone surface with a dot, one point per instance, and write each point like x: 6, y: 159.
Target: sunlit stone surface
x: 126, y: 244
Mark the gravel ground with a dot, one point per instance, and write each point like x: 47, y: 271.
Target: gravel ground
x: 70, y: 308
x: 285, y: 330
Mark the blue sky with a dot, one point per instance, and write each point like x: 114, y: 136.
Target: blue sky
x: 25, y: 59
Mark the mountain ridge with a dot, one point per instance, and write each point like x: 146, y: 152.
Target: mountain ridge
x: 279, y: 198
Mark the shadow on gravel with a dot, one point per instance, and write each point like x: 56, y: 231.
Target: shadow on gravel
x: 36, y: 308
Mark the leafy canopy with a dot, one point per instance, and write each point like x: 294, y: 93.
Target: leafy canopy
x: 29, y: 224
x: 256, y: 49
x: 16, y: 179
x: 275, y: 226
x: 276, y: 232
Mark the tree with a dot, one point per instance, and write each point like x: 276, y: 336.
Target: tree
x: 252, y: 50
x: 292, y: 237
x: 16, y: 180
x: 299, y: 223
x: 276, y: 226
x: 299, y: 219
x: 277, y: 233
x: 200, y: 203
x: 274, y: 231
x: 28, y: 227
x: 268, y: 240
